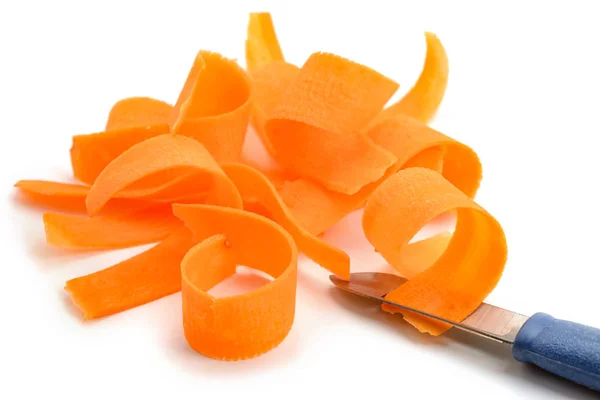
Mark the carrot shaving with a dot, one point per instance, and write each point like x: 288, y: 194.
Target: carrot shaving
x: 465, y: 273
x: 418, y: 256
x: 138, y: 111
x: 414, y: 144
x: 253, y: 185
x: 146, y: 277
x: 148, y: 159
x: 71, y: 197
x: 91, y: 153
x: 406, y: 137
x: 276, y: 175
x: 217, y: 115
x: 176, y: 176
x: 269, y: 83
x: 246, y: 325
x: 214, y: 106
x: 328, y: 102
x: 423, y: 100
x: 262, y: 45
x: 109, y: 232
x: 62, y: 196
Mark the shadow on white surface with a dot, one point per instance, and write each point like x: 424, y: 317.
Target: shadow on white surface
x: 481, y: 353
x: 50, y: 256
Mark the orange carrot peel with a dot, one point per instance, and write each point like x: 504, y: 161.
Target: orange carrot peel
x: 245, y: 325
x: 138, y: 111
x: 468, y: 268
x: 175, y: 176
x: 216, y: 115
x: 262, y: 45
x: 110, y: 231
x: 141, y: 279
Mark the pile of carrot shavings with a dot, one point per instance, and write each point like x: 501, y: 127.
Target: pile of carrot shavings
x: 175, y: 175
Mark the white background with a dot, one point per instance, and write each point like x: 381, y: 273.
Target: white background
x: 524, y: 92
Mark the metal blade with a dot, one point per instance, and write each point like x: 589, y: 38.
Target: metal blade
x: 488, y: 321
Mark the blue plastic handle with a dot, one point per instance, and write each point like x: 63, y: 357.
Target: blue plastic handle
x: 564, y: 348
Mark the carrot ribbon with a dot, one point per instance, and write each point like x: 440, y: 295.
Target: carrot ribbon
x: 467, y: 270
x: 174, y: 175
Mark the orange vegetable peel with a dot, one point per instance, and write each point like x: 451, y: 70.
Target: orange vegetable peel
x: 262, y: 45
x: 138, y: 111
x: 148, y: 276
x: 245, y: 325
x: 176, y: 176
x: 468, y: 268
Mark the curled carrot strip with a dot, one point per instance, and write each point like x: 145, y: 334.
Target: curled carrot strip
x: 216, y: 96
x: 339, y: 149
x: 465, y: 273
x: 130, y: 121
x: 64, y: 196
x: 418, y: 256
x: 146, y: 277
x: 138, y: 111
x: 276, y: 175
x: 315, y: 128
x: 91, y: 153
x: 247, y: 325
x: 423, y: 100
x: 255, y: 186
x: 109, y: 232
x: 71, y: 197
x: 262, y: 45
x: 406, y: 137
x: 214, y: 106
x: 268, y: 85
x: 414, y: 144
x: 150, y: 159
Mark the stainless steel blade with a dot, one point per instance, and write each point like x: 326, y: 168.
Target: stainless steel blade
x: 489, y: 321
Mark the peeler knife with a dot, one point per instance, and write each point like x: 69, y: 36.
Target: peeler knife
x: 564, y: 348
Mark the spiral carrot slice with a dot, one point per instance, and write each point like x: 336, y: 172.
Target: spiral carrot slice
x: 420, y: 255
x: 246, y: 325
x: 256, y: 187
x: 268, y: 85
x: 149, y: 160
x: 138, y: 111
x: 63, y: 196
x: 148, y: 276
x: 262, y: 45
x: 406, y: 137
x: 421, y: 102
x: 414, y: 144
x: 217, y: 115
x: 91, y: 153
x: 71, y: 197
x: 214, y: 106
x: 469, y: 268
x: 339, y: 149
x: 109, y: 232
x: 424, y: 98
x: 315, y: 128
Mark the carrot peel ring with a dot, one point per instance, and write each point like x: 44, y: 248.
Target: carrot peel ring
x: 466, y: 271
x: 247, y: 325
